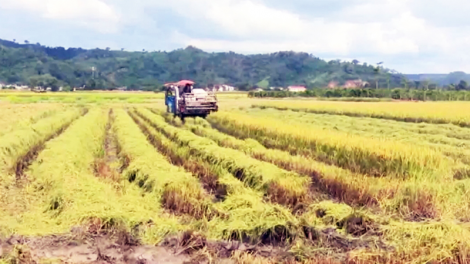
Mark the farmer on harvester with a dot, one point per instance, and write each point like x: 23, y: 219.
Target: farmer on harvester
x: 187, y: 88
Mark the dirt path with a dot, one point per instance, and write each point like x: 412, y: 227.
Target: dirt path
x: 92, y: 249
x: 80, y: 246
x: 109, y: 166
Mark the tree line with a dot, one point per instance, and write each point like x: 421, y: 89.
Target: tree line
x: 148, y: 70
x: 396, y: 94
x: 34, y: 64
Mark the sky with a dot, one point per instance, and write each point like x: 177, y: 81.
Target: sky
x: 410, y: 36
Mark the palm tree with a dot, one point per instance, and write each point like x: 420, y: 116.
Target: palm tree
x: 376, y: 72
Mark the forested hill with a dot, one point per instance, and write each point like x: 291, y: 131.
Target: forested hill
x: 441, y: 79
x: 33, y: 63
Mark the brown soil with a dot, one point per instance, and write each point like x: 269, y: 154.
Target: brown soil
x: 93, y: 249
x: 331, y: 239
x: 420, y: 208
x: 109, y: 166
x: 88, y: 247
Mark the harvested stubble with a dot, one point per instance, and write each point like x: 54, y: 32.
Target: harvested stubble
x: 431, y: 112
x: 18, y: 144
x: 174, y: 188
x: 280, y: 186
x: 65, y: 192
x: 246, y: 215
x: 363, y: 155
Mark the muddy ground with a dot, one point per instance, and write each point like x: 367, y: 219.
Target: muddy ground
x: 119, y: 247
x: 91, y: 249
x: 87, y: 246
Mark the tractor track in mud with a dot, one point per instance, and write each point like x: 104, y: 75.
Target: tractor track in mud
x: 85, y: 245
x: 81, y: 246
x: 90, y: 246
x: 109, y: 166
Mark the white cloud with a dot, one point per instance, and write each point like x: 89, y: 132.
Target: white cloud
x: 243, y: 19
x: 447, y: 13
x: 369, y: 29
x: 250, y: 19
x: 92, y: 13
x: 409, y: 35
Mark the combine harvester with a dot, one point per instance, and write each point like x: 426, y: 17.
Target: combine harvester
x: 183, y: 100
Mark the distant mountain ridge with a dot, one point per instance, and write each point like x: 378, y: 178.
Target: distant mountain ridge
x: 104, y: 68
x: 441, y: 79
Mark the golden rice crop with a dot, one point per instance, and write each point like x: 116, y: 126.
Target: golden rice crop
x: 250, y: 218
x: 17, y: 116
x: 178, y: 155
x: 65, y: 192
x: 174, y: 188
x: 246, y: 215
x: 408, y: 242
x: 438, y: 136
x: 276, y: 176
x: 358, y: 154
x: 394, y: 196
x: 341, y: 184
x: 432, y: 112
x: 15, y: 145
x: 450, y: 140
x: 282, y: 186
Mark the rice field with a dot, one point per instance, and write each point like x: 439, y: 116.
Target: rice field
x: 261, y: 181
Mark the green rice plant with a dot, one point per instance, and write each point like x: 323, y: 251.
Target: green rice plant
x: 174, y: 188
x: 83, y: 96
x: 280, y: 186
x: 347, y: 220
x: 358, y: 154
x: 18, y: 144
x: 245, y: 214
x: 17, y: 116
x: 396, y: 241
x: 66, y: 193
x: 181, y: 156
x: 249, y: 218
x: 440, y: 242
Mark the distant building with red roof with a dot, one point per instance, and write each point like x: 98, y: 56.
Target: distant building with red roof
x: 333, y: 84
x: 296, y: 88
x: 355, y: 84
